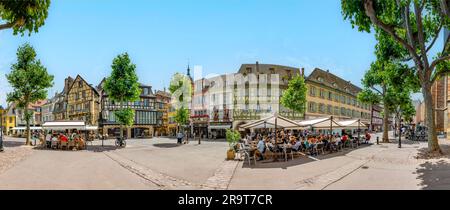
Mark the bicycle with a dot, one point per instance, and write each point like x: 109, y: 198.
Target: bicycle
x: 120, y: 142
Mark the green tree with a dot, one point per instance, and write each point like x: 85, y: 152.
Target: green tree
x: 294, y: 97
x: 181, y: 91
x: 182, y: 116
x: 414, y: 25
x: 122, y: 86
x: 23, y: 15
x: 29, y: 80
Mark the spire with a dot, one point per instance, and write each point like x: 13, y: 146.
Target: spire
x: 188, y: 71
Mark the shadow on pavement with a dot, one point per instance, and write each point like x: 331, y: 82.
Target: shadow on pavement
x: 90, y: 148
x: 167, y: 145
x: 298, y: 160
x: 434, y: 176
x: 13, y: 143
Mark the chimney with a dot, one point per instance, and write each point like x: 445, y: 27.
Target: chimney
x: 303, y: 72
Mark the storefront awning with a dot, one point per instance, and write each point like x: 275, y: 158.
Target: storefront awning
x: 353, y: 124
x: 322, y: 123
x: 219, y: 127
x: 24, y: 128
x: 274, y: 121
x: 64, y: 125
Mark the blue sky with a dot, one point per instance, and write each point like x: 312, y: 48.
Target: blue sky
x: 161, y: 36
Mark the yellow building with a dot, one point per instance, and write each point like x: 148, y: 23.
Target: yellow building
x: 83, y: 102
x: 3, y: 121
x: 8, y: 118
x: 330, y: 95
x: 172, y: 125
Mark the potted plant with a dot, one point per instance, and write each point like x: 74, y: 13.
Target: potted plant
x: 233, y: 138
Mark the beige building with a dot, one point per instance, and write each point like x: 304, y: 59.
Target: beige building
x: 83, y: 102
x: 330, y: 95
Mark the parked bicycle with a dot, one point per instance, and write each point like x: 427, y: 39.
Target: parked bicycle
x: 121, y: 142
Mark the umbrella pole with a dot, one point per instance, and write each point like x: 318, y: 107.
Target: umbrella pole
x: 359, y: 129
x: 331, y: 125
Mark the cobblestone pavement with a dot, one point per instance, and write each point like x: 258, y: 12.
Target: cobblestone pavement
x: 222, y: 177
x: 14, y: 152
x: 161, y: 180
x: 219, y: 181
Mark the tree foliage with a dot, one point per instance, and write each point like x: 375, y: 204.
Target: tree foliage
x: 410, y: 29
x: 233, y: 137
x: 29, y: 80
x: 23, y: 15
x: 122, y: 86
x: 294, y: 97
x: 182, y: 116
x: 125, y: 116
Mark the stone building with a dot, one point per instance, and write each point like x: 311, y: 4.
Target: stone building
x: 61, y: 100
x: 329, y: 95
x: 376, y: 120
x: 231, y: 100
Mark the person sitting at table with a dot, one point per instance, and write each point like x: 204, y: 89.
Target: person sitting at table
x: 292, y: 140
x: 296, y: 146
x: 80, y: 143
x: 367, y: 137
x: 260, y: 149
x: 344, y: 138
x: 325, y: 141
x: 63, y: 138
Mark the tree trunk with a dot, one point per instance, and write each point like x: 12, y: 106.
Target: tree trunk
x: 28, y: 133
x: 433, y: 144
x: 386, y: 124
x: 399, y: 126
x: 121, y: 131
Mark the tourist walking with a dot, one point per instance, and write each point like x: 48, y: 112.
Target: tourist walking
x: 179, y: 137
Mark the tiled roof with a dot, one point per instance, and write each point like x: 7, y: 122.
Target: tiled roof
x: 330, y: 80
x: 267, y: 69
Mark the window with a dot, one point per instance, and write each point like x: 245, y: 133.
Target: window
x: 320, y: 79
x: 336, y: 110
x: 330, y: 95
x: 343, y: 111
x: 343, y: 99
x: 84, y: 94
x: 80, y: 83
x: 312, y: 91
x: 10, y: 119
x: 322, y: 93
x: 312, y: 107
x: 329, y: 109
x: 321, y: 108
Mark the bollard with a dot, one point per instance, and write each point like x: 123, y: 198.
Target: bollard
x: 378, y: 140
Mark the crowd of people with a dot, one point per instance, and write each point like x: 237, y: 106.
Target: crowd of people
x: 275, y: 142
x: 70, y: 140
